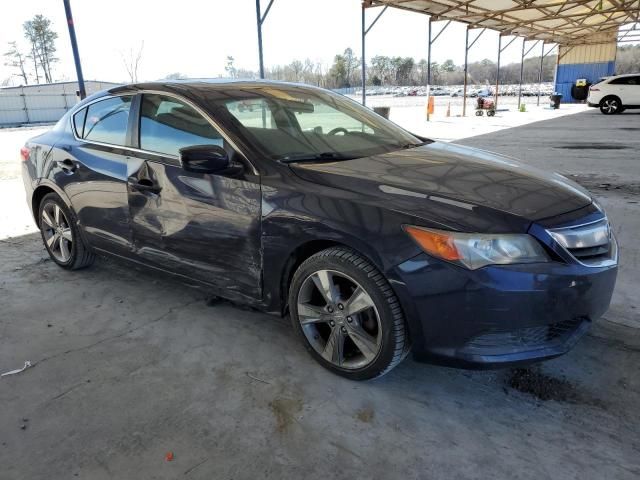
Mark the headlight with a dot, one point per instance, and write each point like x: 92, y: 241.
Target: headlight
x: 476, y: 250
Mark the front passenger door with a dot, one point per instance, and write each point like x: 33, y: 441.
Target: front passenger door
x: 203, y: 226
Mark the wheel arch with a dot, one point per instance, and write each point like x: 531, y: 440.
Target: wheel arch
x: 40, y: 192
x: 305, y: 250
x: 610, y: 96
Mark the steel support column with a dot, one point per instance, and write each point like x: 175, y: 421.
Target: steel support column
x: 495, y: 97
x: 540, y: 74
x: 429, y: 68
x: 74, y: 48
x: 363, y: 63
x: 521, y: 73
x: 431, y: 42
x: 466, y: 62
x: 364, y: 34
x: 524, y: 54
x: 467, y: 47
x: 260, y: 18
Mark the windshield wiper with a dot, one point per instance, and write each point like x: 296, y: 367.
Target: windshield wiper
x: 315, y: 157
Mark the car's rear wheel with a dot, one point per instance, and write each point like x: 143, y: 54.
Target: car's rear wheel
x: 347, y: 314
x: 610, y: 105
x: 60, y: 234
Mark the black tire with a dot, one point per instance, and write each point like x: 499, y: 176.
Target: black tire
x: 610, y: 105
x: 394, y: 335
x: 80, y: 254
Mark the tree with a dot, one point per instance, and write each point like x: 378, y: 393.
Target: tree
x: 231, y: 70
x: 351, y: 64
x: 448, y: 66
x: 628, y: 59
x: 296, y: 67
x: 42, y: 38
x: 132, y: 62
x: 338, y: 71
x: 175, y: 76
x: 16, y: 59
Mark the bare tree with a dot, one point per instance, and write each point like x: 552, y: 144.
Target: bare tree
x: 16, y: 59
x: 132, y: 62
x: 229, y: 67
x: 42, y: 38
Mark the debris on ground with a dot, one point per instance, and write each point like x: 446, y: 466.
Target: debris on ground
x: 27, y: 364
x: 168, y: 456
x: 256, y: 378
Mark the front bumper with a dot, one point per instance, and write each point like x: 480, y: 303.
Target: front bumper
x: 498, y: 316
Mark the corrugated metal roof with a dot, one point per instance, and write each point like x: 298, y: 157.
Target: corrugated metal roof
x: 561, y: 21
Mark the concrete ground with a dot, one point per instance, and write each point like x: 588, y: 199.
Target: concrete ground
x: 129, y: 366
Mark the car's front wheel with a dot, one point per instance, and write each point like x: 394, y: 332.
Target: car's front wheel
x: 347, y: 314
x: 610, y: 105
x: 60, y: 234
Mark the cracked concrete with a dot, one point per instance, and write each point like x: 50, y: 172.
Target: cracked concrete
x: 131, y: 365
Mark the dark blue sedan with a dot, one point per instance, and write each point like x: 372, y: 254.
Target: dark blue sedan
x: 299, y: 201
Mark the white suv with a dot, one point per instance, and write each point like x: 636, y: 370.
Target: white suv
x: 615, y: 94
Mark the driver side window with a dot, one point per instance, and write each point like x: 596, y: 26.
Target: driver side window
x: 167, y: 125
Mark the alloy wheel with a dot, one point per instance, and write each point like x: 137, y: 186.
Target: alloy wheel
x: 57, y: 232
x: 339, y: 319
x: 610, y: 106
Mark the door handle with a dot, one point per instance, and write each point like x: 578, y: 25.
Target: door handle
x: 143, y: 185
x: 67, y: 165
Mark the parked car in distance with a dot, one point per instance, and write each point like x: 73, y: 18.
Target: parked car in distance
x: 301, y: 202
x: 615, y: 94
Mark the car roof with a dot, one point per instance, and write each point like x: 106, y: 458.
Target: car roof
x: 623, y: 75
x: 200, y: 84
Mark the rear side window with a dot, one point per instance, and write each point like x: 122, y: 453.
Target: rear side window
x: 106, y: 121
x: 625, y: 81
x: 167, y: 125
x: 78, y: 122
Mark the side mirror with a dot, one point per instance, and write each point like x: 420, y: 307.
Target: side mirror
x: 204, y: 159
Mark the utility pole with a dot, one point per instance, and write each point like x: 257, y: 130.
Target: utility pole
x: 74, y: 47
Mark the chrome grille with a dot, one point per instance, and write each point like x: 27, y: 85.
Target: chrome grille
x: 591, y: 244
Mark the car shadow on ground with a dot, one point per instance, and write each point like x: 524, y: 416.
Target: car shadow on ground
x: 129, y: 364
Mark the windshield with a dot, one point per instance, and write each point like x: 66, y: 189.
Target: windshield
x: 291, y: 123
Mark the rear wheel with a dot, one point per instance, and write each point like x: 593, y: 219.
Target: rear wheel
x: 610, y: 105
x: 347, y: 314
x: 60, y: 234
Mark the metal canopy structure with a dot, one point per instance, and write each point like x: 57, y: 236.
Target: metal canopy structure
x: 567, y: 22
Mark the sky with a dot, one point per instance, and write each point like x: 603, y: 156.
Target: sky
x: 194, y: 37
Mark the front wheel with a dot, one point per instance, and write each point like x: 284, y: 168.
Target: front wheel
x: 60, y: 234
x: 347, y: 314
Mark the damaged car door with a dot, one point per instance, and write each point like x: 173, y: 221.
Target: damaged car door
x: 195, y: 222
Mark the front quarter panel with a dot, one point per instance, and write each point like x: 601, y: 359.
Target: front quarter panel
x: 295, y: 215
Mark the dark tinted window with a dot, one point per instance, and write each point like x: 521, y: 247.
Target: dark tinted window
x: 106, y: 121
x: 625, y: 81
x: 78, y: 122
x: 167, y: 125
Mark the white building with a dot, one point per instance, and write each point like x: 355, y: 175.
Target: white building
x: 42, y: 103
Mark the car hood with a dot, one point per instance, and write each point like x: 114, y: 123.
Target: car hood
x: 429, y: 180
